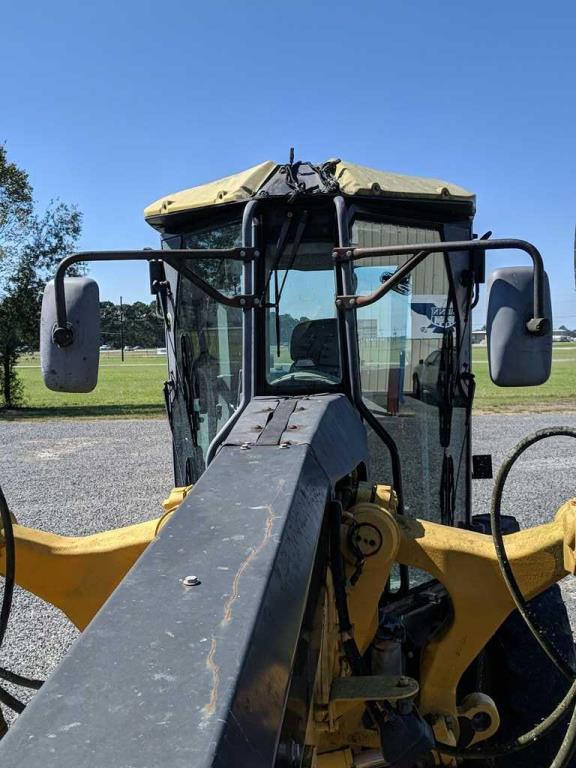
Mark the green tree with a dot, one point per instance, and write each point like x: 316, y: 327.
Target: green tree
x: 31, y: 245
x: 142, y: 326
x: 16, y: 204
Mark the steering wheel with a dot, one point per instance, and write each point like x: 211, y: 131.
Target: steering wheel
x: 306, y: 376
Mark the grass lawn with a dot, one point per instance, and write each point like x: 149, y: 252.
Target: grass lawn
x: 134, y: 388
x: 558, y: 393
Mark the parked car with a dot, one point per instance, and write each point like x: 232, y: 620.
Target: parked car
x: 425, y: 378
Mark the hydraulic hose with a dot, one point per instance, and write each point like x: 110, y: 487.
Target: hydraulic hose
x: 568, y: 745
x: 10, y: 574
x: 498, y: 538
x: 520, y: 742
x: 6, y: 520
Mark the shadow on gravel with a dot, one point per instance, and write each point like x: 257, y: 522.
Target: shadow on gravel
x: 84, y: 412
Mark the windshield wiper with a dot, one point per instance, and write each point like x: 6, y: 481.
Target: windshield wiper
x: 280, y: 248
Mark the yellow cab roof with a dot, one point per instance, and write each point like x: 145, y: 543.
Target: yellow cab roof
x: 352, y: 180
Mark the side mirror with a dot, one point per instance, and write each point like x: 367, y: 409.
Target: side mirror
x: 517, y: 357
x: 73, y: 367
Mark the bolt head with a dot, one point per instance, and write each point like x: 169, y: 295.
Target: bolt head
x: 191, y: 581
x: 62, y: 337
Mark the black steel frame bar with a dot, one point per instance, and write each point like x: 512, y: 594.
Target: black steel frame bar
x: 249, y: 235
x: 538, y: 324
x: 350, y: 356
x: 63, y: 334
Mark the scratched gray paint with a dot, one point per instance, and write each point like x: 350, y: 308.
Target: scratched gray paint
x: 172, y: 676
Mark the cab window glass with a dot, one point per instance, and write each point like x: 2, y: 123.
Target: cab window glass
x: 408, y: 350
x: 302, y: 346
x: 207, y: 341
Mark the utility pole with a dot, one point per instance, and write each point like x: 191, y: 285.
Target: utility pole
x: 121, y: 330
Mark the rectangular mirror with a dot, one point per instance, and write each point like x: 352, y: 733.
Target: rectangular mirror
x: 517, y: 358
x: 72, y: 368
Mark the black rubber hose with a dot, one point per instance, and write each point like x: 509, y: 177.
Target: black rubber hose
x: 525, y: 740
x: 23, y: 682
x: 10, y: 572
x: 11, y: 701
x: 568, y: 746
x: 10, y: 575
x: 351, y: 650
x: 504, y: 563
x: 341, y: 599
x: 520, y: 742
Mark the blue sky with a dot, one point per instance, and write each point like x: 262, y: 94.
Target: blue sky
x: 112, y: 104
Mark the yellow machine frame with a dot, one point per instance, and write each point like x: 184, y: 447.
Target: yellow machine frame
x: 78, y: 574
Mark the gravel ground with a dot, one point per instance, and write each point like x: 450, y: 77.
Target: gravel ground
x: 77, y: 477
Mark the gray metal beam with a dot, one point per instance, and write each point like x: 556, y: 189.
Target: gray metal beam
x: 169, y: 675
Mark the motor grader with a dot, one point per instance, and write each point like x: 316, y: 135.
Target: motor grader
x: 318, y: 592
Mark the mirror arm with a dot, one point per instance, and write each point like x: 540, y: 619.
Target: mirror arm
x: 63, y: 334
x: 537, y: 325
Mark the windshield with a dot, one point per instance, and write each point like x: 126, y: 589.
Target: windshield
x: 302, y: 347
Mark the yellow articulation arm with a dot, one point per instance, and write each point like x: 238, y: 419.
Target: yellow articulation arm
x: 79, y: 573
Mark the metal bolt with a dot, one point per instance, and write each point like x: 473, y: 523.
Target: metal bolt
x: 242, y: 302
x: 338, y: 302
x: 242, y: 253
x: 256, y: 253
x: 403, y: 682
x: 348, y: 253
x: 191, y: 581
x: 245, y: 447
x: 256, y: 302
x: 352, y: 302
x: 284, y: 445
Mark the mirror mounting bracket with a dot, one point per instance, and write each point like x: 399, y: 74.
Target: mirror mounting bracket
x: 538, y: 324
x: 63, y: 334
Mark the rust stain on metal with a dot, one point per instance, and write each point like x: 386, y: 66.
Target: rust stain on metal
x: 245, y: 563
x: 210, y: 708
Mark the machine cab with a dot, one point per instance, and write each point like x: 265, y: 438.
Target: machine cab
x: 294, y: 339
x: 304, y: 280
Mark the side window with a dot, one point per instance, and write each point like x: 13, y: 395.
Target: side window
x: 207, y: 347
x: 404, y: 341
x: 208, y: 339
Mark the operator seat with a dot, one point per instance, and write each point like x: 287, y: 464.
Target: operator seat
x: 314, y: 345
